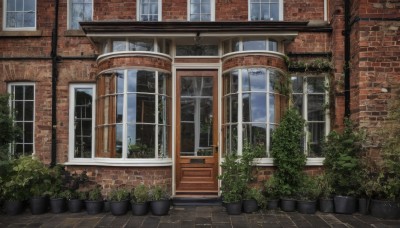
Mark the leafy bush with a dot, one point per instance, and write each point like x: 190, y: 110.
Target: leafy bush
x: 95, y: 194
x: 256, y: 194
x: 308, y: 189
x: 119, y: 194
x: 271, y: 189
x: 342, y: 159
x: 159, y: 193
x: 140, y: 194
x: 233, y: 179
x: 324, y: 187
x: 287, y: 152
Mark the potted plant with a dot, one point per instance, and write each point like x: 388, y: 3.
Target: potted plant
x: 57, y: 202
x: 119, y: 201
x: 325, y: 194
x: 253, y: 199
x: 160, y: 201
x: 140, y: 200
x: 75, y: 200
x: 94, y: 202
x: 289, y: 158
x: 343, y: 166
x: 307, y: 195
x: 271, y: 193
x: 233, y: 183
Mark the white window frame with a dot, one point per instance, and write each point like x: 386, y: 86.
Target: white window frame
x: 34, y: 109
x: 139, y: 9
x: 5, y: 28
x: 71, y: 141
x: 212, y: 9
x: 280, y: 10
x: 69, y: 14
x: 304, y: 113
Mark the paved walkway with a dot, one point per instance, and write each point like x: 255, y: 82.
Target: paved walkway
x: 201, y: 216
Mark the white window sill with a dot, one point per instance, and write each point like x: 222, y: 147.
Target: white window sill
x: 270, y: 162
x: 121, y: 163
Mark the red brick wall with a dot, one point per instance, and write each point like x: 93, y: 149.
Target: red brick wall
x: 231, y: 10
x: 295, y: 10
x: 254, y: 60
x: 310, y: 42
x: 174, y: 10
x: 265, y: 172
x: 114, y: 10
x: 127, y: 177
x: 135, y: 61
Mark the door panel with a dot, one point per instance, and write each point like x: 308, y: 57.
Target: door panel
x: 197, y: 138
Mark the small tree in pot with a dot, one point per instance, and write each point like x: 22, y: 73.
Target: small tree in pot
x: 119, y: 201
x: 307, y: 195
x: 253, y: 199
x: 160, y: 200
x: 325, y: 194
x: 289, y: 158
x: 271, y: 193
x: 94, y: 203
x: 342, y: 165
x: 140, y: 198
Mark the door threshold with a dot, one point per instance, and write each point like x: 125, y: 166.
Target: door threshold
x: 196, y: 200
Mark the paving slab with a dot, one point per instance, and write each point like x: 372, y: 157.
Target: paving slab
x: 196, y: 216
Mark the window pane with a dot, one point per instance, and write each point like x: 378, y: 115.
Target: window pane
x: 19, y: 110
x: 274, y: 13
x: 255, y: 12
x: 141, y: 45
x: 315, y: 85
x: 29, y: 91
x: 254, y: 107
x: 272, y: 45
x: 317, y: 134
x: 205, y: 17
x: 120, y: 107
x: 230, y: 145
x: 163, y: 103
x: 315, y: 107
x: 163, y: 142
x: 19, y: 5
x: 254, y: 45
x: 272, y: 108
x: 29, y: 19
x: 132, y: 80
x: 257, y: 79
x: 194, y: 8
x: 28, y: 111
x: 141, y: 141
x: 29, y: 5
x: 145, y: 110
x: 19, y: 19
x: 146, y: 81
x: 297, y: 84
x: 11, y: 19
x: 298, y: 102
x: 11, y: 5
x: 205, y: 8
x: 265, y: 13
x: 187, y: 139
x: 28, y: 132
x: 119, y: 45
x: 28, y: 149
x: 187, y: 109
x: 118, y: 140
x: 255, y: 134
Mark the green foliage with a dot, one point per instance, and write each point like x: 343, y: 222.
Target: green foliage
x: 317, y: 64
x: 7, y: 128
x: 256, y: 194
x: 287, y: 152
x: 140, y: 194
x: 324, y: 187
x: 342, y: 159
x: 95, y: 194
x: 159, y: 193
x: 233, y: 179
x: 271, y: 188
x: 119, y: 194
x: 383, y: 176
x: 308, y: 189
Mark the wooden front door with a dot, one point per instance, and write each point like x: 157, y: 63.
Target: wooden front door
x: 196, y: 132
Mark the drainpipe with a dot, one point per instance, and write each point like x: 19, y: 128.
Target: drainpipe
x: 54, y: 77
x: 347, y: 31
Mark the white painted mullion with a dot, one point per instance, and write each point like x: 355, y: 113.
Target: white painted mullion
x: 240, y: 114
x: 157, y: 114
x: 93, y: 120
x: 269, y: 93
x: 124, y: 117
x: 305, y: 115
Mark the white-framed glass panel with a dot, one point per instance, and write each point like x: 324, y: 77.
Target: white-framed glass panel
x: 81, y: 120
x: 250, y: 44
x: 22, y: 103
x: 149, y: 10
x: 310, y: 98
x: 252, y: 108
x: 265, y: 10
x: 79, y: 10
x: 159, y: 45
x: 133, y: 114
x: 19, y: 14
x: 201, y: 10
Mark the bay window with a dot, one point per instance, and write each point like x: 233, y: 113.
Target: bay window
x: 132, y: 120
x: 252, y: 107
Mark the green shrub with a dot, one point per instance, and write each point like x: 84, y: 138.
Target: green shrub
x: 140, y: 194
x: 119, y: 194
x: 95, y: 194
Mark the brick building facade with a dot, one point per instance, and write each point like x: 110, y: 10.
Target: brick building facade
x: 158, y: 91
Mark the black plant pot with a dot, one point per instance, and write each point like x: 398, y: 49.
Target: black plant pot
x: 250, y: 206
x: 234, y: 208
x: 140, y: 208
x: 13, y: 207
x: 363, y: 206
x: 94, y: 207
x: 345, y: 204
x: 288, y: 205
x: 385, y: 209
x: 273, y: 204
x: 57, y: 205
x: 106, y: 206
x: 307, y: 207
x: 75, y: 205
x: 326, y: 205
x: 38, y: 205
x: 160, y: 207
x: 119, y: 207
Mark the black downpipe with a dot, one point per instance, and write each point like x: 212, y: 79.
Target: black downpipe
x: 347, y: 31
x: 54, y: 76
